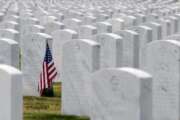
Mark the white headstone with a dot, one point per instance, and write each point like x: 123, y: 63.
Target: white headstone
x: 73, y: 24
x: 87, y: 31
x: 104, y: 27
x: 59, y: 16
x: 26, y: 23
x: 117, y: 24
x: 33, y: 51
x: 12, y: 18
x: 157, y: 30
x: 89, y: 20
x: 30, y: 29
x: 178, y: 17
x: 121, y: 94
x: 9, y: 25
x: 111, y: 50
x: 140, y: 18
x: 145, y: 36
x: 166, y: 27
x: 59, y: 38
x: 80, y: 59
x: 9, y: 53
x: 1, y: 16
x: 11, y: 93
x: 152, y: 17
x: 130, y: 21
x: 130, y: 48
x: 46, y: 19
x: 174, y: 24
x: 53, y: 26
x: 162, y: 62
x: 10, y: 33
x: 29, y: 21
x: 102, y: 17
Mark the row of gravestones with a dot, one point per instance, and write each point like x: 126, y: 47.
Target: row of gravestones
x: 80, y: 58
x: 50, y: 24
x: 120, y: 93
x: 108, y: 6
x: 14, y: 50
x: 94, y: 86
x: 10, y: 75
x: 32, y: 46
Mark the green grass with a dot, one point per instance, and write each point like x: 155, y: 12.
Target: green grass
x: 46, y: 108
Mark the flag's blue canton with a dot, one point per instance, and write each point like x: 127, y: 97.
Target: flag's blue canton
x: 48, y: 56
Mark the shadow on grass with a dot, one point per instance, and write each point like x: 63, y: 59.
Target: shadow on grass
x: 46, y: 108
x: 51, y: 116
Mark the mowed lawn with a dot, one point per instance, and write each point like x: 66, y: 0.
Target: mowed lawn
x: 46, y: 108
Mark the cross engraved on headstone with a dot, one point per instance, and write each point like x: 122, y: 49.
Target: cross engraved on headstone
x: 77, y: 46
x: 115, y: 83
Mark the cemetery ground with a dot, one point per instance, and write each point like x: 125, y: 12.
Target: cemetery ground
x: 46, y: 108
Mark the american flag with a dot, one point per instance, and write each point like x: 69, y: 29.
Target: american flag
x: 48, y: 73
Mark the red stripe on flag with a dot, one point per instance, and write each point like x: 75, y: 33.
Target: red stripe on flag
x: 53, y: 76
x: 41, y: 85
x: 51, y: 72
x: 44, y: 76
